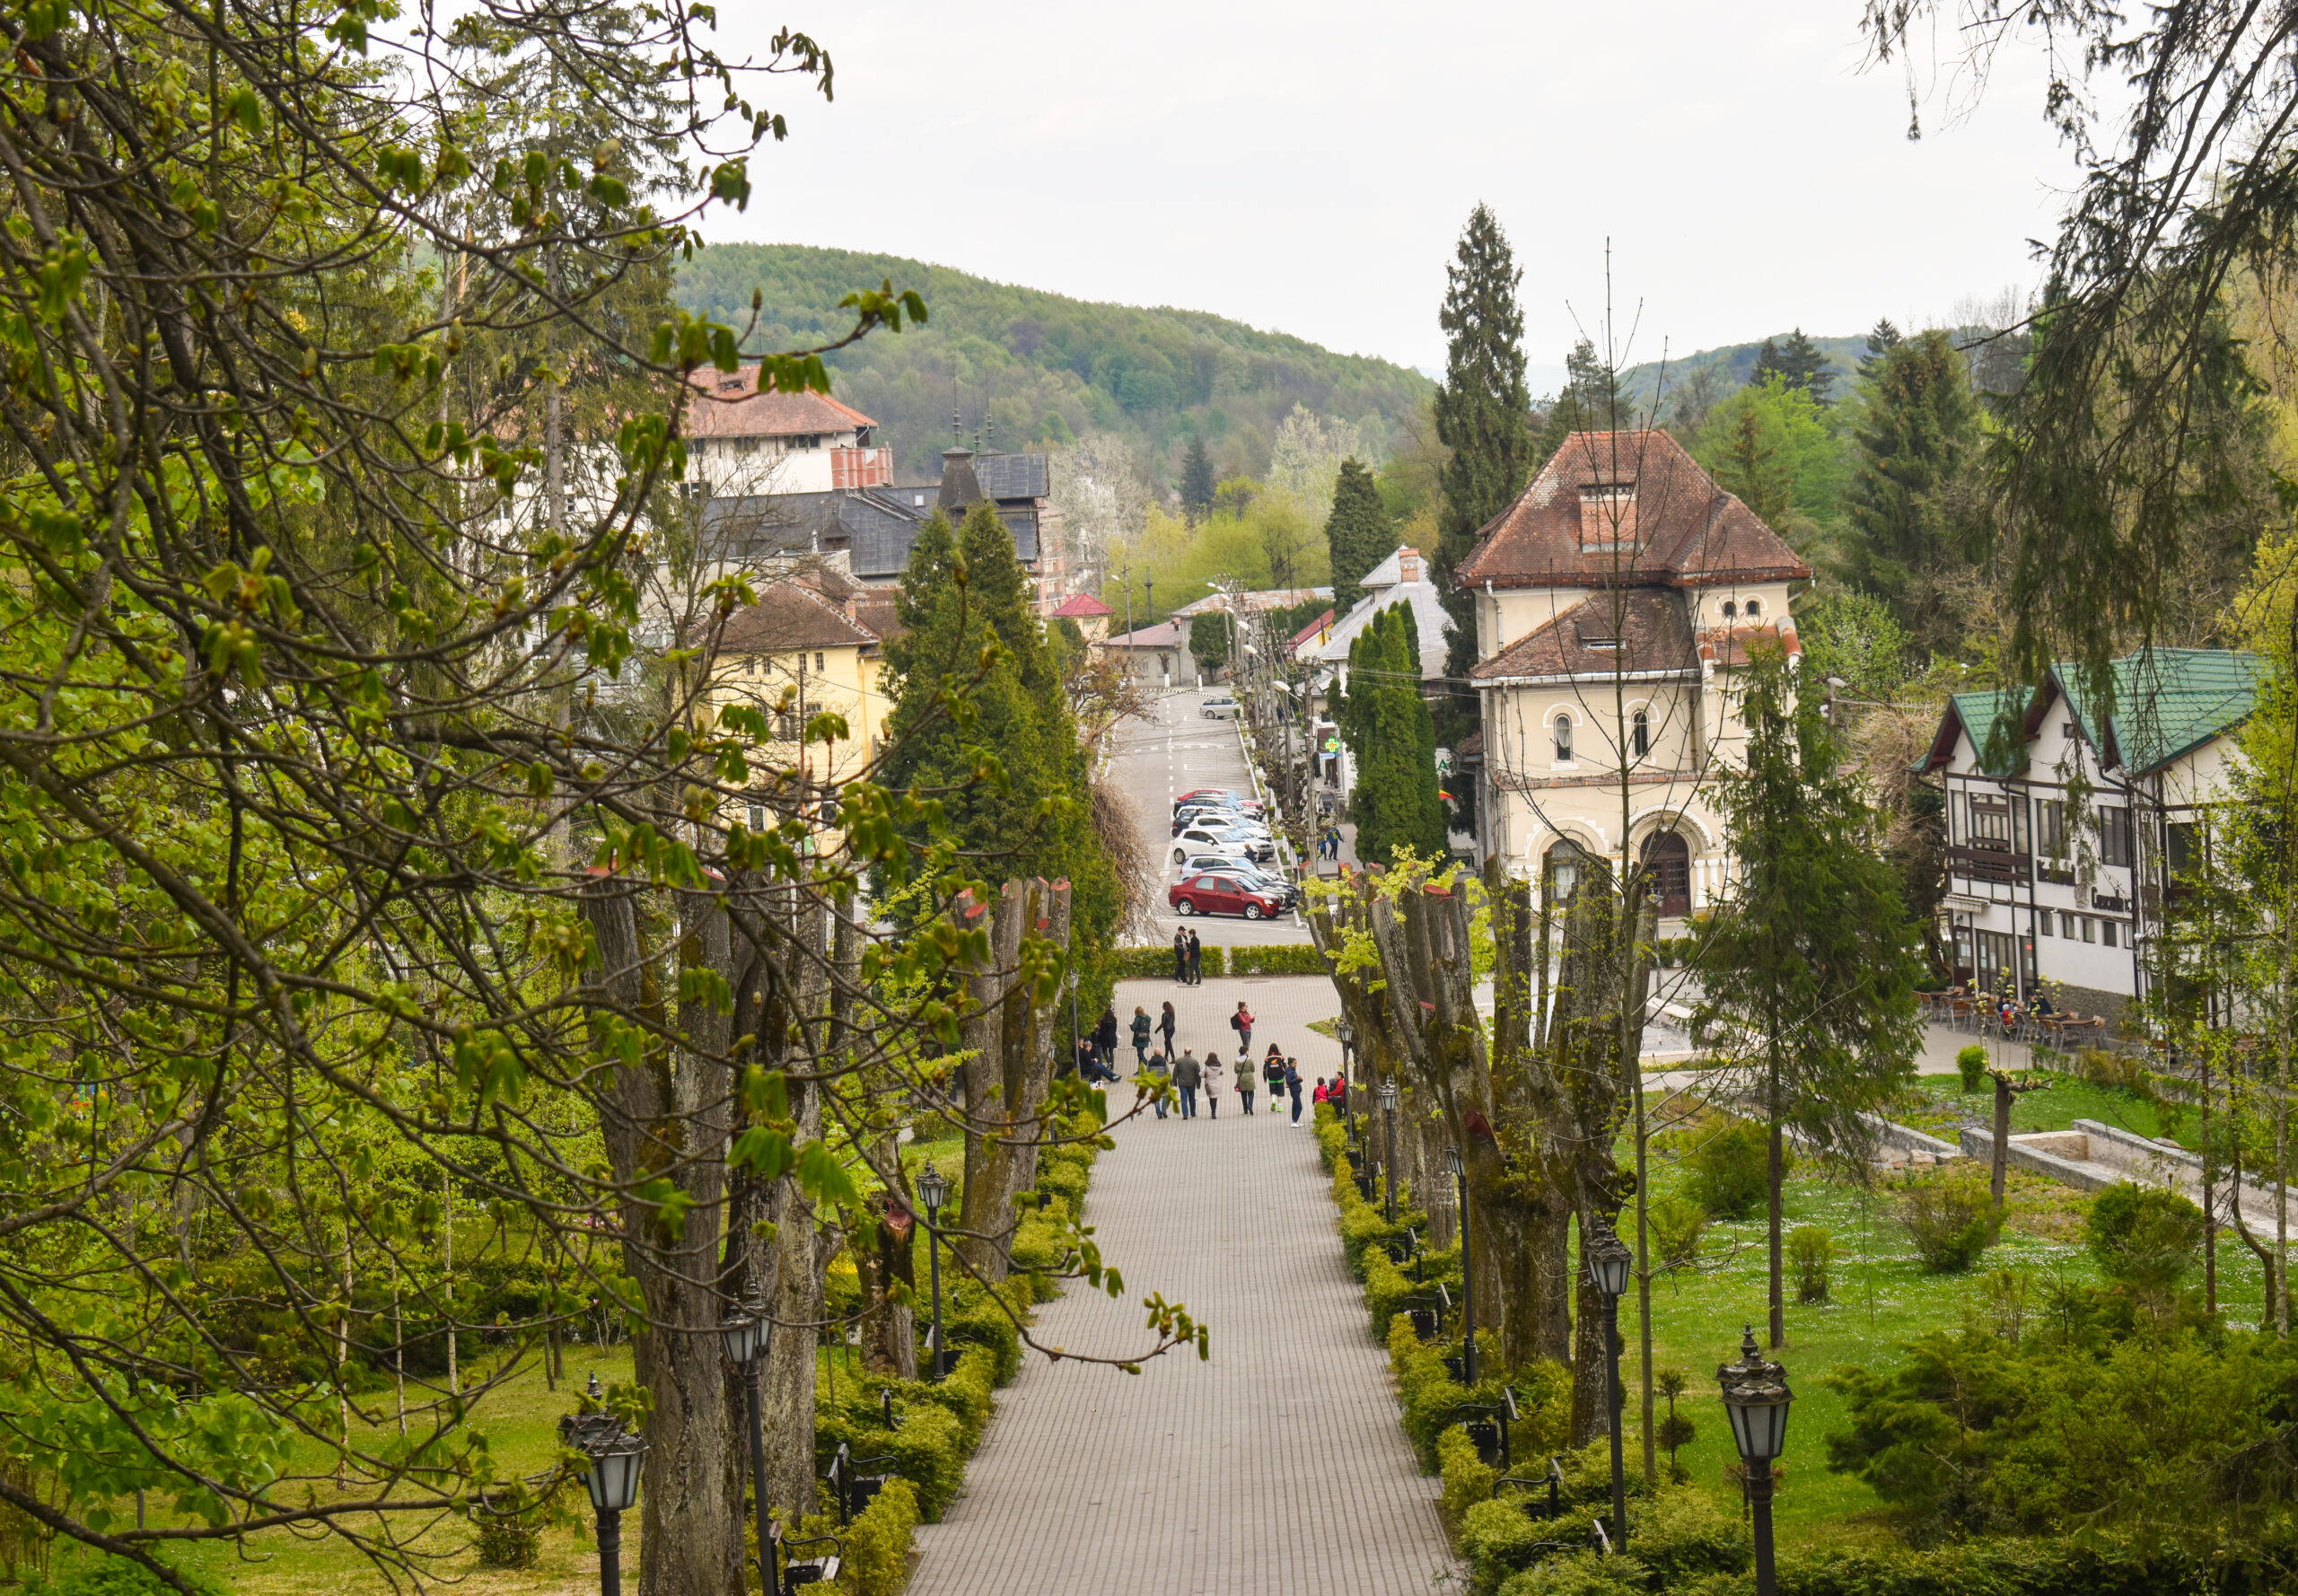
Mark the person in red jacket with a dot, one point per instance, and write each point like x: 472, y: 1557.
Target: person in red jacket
x: 1241, y: 1022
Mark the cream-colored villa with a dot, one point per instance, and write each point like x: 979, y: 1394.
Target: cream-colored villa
x: 1617, y: 599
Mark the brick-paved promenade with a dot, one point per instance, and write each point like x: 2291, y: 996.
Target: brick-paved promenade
x: 1279, y: 1465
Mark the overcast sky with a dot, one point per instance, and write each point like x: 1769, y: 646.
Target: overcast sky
x: 1308, y: 168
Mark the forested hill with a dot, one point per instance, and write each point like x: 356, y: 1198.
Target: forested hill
x: 1731, y: 365
x: 1044, y: 367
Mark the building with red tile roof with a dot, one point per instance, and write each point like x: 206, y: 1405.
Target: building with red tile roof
x: 1615, y: 598
x: 746, y: 442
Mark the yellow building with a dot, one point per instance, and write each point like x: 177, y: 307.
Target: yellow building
x: 801, y: 651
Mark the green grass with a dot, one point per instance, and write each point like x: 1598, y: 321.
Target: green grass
x: 1878, y: 1304
x: 1936, y: 1103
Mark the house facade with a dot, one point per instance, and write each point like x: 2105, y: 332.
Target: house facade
x: 803, y: 649
x: 741, y: 442
x: 1617, y: 600
x: 1158, y: 656
x: 2067, y: 826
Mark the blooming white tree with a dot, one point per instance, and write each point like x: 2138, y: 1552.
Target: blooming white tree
x: 1304, y: 461
x: 1103, y: 502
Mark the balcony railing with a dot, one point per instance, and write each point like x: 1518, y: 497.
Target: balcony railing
x: 1989, y: 864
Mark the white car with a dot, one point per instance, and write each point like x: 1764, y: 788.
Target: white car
x: 1221, y: 706
x: 1227, y: 844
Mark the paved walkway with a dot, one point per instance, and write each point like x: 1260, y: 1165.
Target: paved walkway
x: 1278, y: 1466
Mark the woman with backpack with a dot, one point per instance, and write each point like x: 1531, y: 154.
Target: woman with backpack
x: 1272, y: 1072
x: 1241, y: 1022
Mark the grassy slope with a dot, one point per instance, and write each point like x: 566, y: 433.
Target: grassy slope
x: 1042, y: 365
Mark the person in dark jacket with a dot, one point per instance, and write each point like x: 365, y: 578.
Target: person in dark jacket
x: 1195, y: 959
x: 1272, y: 1071
x: 1105, y: 1038
x: 1188, y: 1077
x: 1143, y: 1028
x: 1166, y: 1025
x: 1152, y: 1079
x: 1293, y: 1086
x: 1180, y: 957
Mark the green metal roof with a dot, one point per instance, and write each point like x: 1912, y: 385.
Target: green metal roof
x: 1978, y: 713
x: 2166, y: 702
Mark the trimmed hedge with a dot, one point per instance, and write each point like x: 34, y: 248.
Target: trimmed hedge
x: 1268, y: 959
x: 877, y: 1542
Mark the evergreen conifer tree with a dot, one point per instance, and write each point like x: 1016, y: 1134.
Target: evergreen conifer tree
x: 1812, y: 960
x: 1196, y: 480
x: 1590, y: 402
x: 964, y: 593
x: 1914, y: 440
x: 1799, y: 362
x: 1483, y: 411
x: 1882, y: 340
x: 1392, y: 739
x: 1358, y: 534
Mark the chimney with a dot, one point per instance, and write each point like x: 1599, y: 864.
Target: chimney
x: 1407, y: 565
x: 961, y: 488
x: 1607, y: 516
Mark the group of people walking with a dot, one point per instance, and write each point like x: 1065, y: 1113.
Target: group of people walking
x: 1208, y: 1077
x: 1189, y: 958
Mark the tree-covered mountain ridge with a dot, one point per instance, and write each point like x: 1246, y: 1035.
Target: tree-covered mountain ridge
x: 1027, y: 365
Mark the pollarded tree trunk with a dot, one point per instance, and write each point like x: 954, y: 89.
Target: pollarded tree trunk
x: 667, y: 1115
x: 1009, y: 1073
x: 798, y: 1256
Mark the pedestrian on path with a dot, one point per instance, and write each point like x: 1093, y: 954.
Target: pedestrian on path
x: 1142, y: 1028
x: 1215, y: 1078
x: 1320, y: 1094
x: 1105, y: 1038
x: 1180, y: 958
x: 1241, y: 1022
x: 1195, y: 959
x: 1154, y: 1080
x: 1166, y: 1026
x: 1272, y: 1071
x: 1188, y: 1076
x: 1293, y: 1086
x: 1245, y: 1083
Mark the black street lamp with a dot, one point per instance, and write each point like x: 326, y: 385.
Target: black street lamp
x: 1388, y: 1156
x: 614, y: 1456
x: 1347, y: 1034
x: 1468, y: 1269
x: 934, y: 1190
x: 744, y: 1332
x: 1609, y: 1263
x: 1755, y: 1399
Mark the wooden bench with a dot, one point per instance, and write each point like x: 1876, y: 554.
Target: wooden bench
x: 789, y: 1571
x: 854, y: 1488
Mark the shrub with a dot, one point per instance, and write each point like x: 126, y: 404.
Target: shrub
x: 1156, y: 963
x: 1497, y: 1538
x: 1951, y: 1218
x: 1677, y: 1226
x: 1972, y: 1065
x: 1729, y: 1169
x: 2144, y: 1236
x: 1813, y: 1250
x: 929, y: 1451
x: 1468, y: 1478
x: 510, y: 1531
x: 1274, y: 959
x: 877, y: 1542
x: 107, y: 1575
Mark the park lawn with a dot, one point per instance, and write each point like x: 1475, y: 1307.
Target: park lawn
x: 1879, y: 1300
x: 1937, y: 1103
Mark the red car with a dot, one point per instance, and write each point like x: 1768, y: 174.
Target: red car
x: 1215, y: 893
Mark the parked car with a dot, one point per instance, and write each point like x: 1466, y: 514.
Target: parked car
x: 1221, y: 706
x: 1221, y: 840
x: 1257, y: 875
x: 1220, y: 892
x: 1219, y: 797
x: 1228, y: 818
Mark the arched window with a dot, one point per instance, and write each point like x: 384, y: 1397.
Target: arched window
x: 1666, y: 868
x: 1639, y: 736
x: 1754, y: 607
x: 1562, y: 729
x: 1731, y: 610
x: 1560, y: 870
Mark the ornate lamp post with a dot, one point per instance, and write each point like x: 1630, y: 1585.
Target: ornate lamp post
x: 1388, y: 1153
x: 744, y: 1331
x: 1756, y: 1398
x: 1347, y: 1034
x: 1467, y: 1270
x: 615, y: 1456
x: 1610, y: 1264
x: 934, y: 1190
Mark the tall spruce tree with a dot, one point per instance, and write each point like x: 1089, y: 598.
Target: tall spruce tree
x: 1358, y: 534
x: 1196, y: 479
x: 1799, y: 362
x: 1483, y: 411
x: 1812, y: 961
x: 1881, y: 338
x: 1913, y: 440
x: 1591, y: 402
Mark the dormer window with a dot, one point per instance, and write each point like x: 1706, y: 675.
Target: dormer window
x: 1607, y: 517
